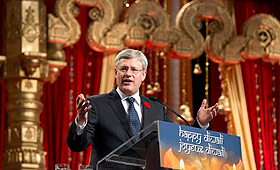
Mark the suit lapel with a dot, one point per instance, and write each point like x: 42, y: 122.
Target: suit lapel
x: 116, y: 105
x: 146, y: 111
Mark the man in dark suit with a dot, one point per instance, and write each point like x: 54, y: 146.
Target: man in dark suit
x: 108, y: 120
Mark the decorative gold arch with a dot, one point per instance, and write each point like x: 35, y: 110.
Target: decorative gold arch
x: 147, y: 21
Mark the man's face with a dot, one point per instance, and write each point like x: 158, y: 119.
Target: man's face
x: 129, y: 75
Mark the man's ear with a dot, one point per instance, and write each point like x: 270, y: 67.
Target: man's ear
x: 144, y: 75
x: 115, y: 71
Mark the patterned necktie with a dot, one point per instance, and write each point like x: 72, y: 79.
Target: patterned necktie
x: 133, y: 116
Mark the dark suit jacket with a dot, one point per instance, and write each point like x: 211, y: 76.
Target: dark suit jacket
x: 108, y: 124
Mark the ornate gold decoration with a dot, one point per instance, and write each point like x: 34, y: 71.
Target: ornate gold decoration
x: 148, y: 21
x: 220, y: 24
x: 25, y: 68
x: 191, y: 43
x: 262, y: 34
x: 63, y: 28
x: 259, y: 37
x: 30, y: 28
x: 24, y: 31
x: 145, y: 19
x: 103, y: 32
x: 63, y: 31
x: 56, y: 52
x: 13, y: 33
x: 54, y: 68
x: 24, y: 137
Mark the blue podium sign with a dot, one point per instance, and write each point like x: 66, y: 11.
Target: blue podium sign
x: 184, y: 147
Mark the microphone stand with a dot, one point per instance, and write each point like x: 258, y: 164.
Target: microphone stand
x: 164, y: 104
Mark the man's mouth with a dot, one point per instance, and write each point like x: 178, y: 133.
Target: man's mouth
x: 127, y: 81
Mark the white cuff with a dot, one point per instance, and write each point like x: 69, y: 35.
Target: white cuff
x: 202, y: 126
x: 80, y: 128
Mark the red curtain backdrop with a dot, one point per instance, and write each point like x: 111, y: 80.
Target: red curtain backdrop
x: 218, y: 124
x: 55, y: 118
x: 243, y: 11
x: 264, y: 72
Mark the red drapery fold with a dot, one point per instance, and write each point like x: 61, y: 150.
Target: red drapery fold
x: 244, y: 9
x: 264, y: 72
x: 55, y: 117
x: 219, y: 123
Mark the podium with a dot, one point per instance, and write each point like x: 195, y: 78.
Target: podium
x: 163, y: 145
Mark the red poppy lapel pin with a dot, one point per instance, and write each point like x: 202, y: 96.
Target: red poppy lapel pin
x: 147, y: 105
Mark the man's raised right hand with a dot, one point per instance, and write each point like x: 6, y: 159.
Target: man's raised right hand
x: 83, y: 107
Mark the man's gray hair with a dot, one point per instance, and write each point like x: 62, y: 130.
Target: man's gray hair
x: 130, y: 54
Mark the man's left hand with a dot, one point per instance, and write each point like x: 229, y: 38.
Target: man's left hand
x: 204, y: 115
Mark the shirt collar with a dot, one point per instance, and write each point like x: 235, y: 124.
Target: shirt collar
x: 136, y: 96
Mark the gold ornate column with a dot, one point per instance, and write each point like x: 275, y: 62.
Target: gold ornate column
x: 25, y: 69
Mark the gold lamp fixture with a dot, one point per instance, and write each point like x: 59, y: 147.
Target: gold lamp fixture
x: 223, y: 101
x: 224, y: 105
x: 197, y: 69
x: 185, y: 112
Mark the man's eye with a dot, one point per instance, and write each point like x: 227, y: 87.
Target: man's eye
x: 124, y: 68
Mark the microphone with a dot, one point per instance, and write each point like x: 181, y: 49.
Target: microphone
x: 164, y: 104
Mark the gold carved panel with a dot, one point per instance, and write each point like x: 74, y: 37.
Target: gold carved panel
x: 104, y: 14
x: 146, y: 20
x: 26, y: 27
x: 143, y: 21
x: 261, y: 34
x: 24, y: 133
x: 29, y: 133
x: 29, y: 85
x: 220, y: 24
x: 259, y: 37
x: 63, y: 28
